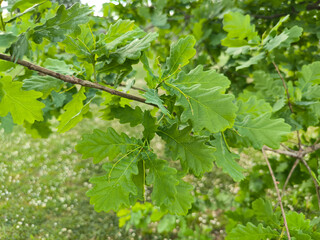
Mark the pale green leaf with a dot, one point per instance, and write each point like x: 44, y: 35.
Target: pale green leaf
x: 82, y: 45
x: 133, y: 49
x: 252, y: 61
x: 74, y: 111
x: 58, y: 66
x: 44, y: 84
x: 66, y: 21
x: 240, y: 31
x: 22, y: 105
x: 152, y: 97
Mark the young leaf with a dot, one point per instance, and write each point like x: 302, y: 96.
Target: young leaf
x: 240, y: 31
x: 226, y: 159
x: 65, y: 22
x: 152, y: 97
x: 192, y: 151
x: 22, y: 105
x: 251, y: 231
x: 111, y: 191
x: 82, y: 45
x: 74, y: 112
x: 120, y: 33
x: 180, y: 53
x: 133, y: 50
x: 263, y: 131
x: 100, y: 145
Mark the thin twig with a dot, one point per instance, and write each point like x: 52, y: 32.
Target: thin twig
x: 288, y: 153
x: 74, y: 80
x: 289, y: 176
x: 316, y: 184
x: 278, y: 193
x: 284, y: 85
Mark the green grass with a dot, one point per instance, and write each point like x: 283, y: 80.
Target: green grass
x: 42, y: 188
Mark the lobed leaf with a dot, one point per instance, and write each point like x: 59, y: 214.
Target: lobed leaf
x: 23, y: 105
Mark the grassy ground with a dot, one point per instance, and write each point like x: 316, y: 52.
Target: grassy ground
x: 42, y: 189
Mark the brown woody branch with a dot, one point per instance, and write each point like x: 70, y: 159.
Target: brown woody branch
x: 74, y: 80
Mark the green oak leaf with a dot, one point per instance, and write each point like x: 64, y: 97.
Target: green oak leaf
x: 294, y: 34
x: 125, y: 114
x: 204, y: 103
x: 66, y: 21
x: 297, y: 221
x: 262, y: 130
x: 152, y: 97
x: 164, y: 181
x: 276, y: 41
x: 180, y: 53
x: 82, y: 45
x: 206, y: 108
x: 74, y: 111
x: 20, y: 47
x: 151, y: 79
x: 263, y: 210
x: 22, y: 105
x: 100, y: 145
x: 6, y: 38
x: 253, y: 106
x: 133, y: 49
x: 44, y: 84
x: 226, y: 159
x: 240, y: 31
x: 150, y: 125
x: 250, y: 231
x: 192, y: 151
x: 112, y: 191
x: 310, y: 75
x: 119, y: 33
x: 58, y: 66
x: 252, y: 61
x: 207, y: 79
x: 183, y: 199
